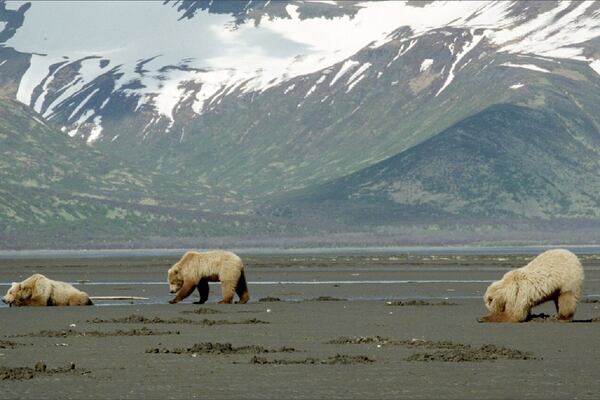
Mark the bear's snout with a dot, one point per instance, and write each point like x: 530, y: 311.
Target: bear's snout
x: 172, y: 291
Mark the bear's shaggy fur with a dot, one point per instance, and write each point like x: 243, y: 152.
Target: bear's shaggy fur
x: 37, y: 290
x: 553, y: 275
x: 195, y: 270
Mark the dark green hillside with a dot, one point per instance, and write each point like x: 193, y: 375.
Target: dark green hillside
x: 507, y: 161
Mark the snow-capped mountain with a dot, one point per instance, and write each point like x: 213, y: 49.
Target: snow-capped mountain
x: 160, y: 59
x: 246, y: 101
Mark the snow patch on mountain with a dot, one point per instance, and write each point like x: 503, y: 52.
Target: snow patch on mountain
x: 595, y: 65
x: 82, y: 103
x: 358, y: 72
x: 343, y: 69
x: 426, y: 64
x: 532, y: 67
x: 467, y: 47
x: 96, y: 130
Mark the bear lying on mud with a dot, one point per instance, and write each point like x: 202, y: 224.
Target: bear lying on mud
x: 195, y: 270
x: 553, y: 275
x: 37, y: 290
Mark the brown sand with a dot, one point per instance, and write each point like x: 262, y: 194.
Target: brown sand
x: 296, y: 349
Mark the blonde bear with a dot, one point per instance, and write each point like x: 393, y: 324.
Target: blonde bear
x: 553, y: 275
x: 37, y: 290
x: 195, y: 270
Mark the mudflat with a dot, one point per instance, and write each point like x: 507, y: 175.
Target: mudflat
x: 316, y: 327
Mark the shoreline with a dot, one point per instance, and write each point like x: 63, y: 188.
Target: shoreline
x: 300, y: 251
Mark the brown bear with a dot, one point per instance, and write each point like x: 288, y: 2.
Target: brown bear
x: 553, y: 275
x: 195, y: 270
x: 37, y: 290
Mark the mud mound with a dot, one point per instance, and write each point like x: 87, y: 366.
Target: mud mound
x: 326, y: 298
x: 466, y: 353
x: 552, y: 318
x: 269, y: 299
x: 444, y: 350
x: 73, y: 333
x: 220, y: 348
x: 139, y: 319
x: 543, y: 317
x: 360, y: 340
x: 590, y: 301
x: 202, y: 311
x: 379, y: 340
x: 419, y: 303
x: 337, y: 359
x: 7, y: 344
x: 40, y: 369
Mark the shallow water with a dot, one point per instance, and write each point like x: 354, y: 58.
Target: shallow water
x: 425, y: 250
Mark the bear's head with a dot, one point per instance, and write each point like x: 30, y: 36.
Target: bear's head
x: 175, y: 279
x: 17, y: 295
x: 504, y: 291
x: 494, y: 297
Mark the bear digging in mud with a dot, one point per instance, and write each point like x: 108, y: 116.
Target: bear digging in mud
x: 195, y: 270
x: 553, y: 275
x: 37, y: 290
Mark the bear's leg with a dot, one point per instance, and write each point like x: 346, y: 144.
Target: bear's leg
x: 203, y: 290
x: 228, y: 291
x: 242, y: 289
x: 185, y: 291
x: 567, y: 304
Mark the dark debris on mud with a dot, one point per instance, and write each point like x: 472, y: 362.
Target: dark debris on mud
x: 269, y: 299
x: 404, y: 303
x: 467, y: 353
x: 40, y: 369
x: 543, y: 317
x: 73, y: 333
x: 8, y: 344
x: 327, y: 298
x: 590, y: 301
x: 220, y: 348
x: 202, y: 311
x: 443, y: 350
x: 139, y: 319
x: 338, y: 359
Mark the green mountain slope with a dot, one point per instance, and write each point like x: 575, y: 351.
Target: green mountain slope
x: 507, y: 161
x: 58, y: 192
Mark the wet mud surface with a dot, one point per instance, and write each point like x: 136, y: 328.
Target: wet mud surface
x: 372, y: 354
